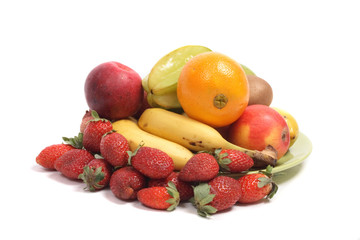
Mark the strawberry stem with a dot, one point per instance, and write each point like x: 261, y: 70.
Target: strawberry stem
x: 131, y: 154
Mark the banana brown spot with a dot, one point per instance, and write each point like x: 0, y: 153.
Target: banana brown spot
x: 194, y: 143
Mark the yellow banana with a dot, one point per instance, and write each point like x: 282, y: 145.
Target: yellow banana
x: 131, y: 131
x: 195, y: 135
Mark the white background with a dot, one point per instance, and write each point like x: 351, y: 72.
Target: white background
x: 308, y: 51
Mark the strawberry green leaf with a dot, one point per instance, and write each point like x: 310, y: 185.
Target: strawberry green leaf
x: 91, y: 177
x: 273, y: 191
x: 202, y: 197
x: 263, y: 181
x: 175, y: 196
x: 98, y: 156
x: 209, y: 209
x: 96, y: 117
x: 225, y: 161
x: 207, y: 199
x: 202, y: 214
x: 171, y: 208
x: 201, y: 190
x: 76, y: 141
x: 94, y: 114
x: 222, y: 159
x: 217, y: 151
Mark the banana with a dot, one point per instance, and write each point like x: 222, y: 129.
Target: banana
x: 195, y: 135
x: 131, y: 131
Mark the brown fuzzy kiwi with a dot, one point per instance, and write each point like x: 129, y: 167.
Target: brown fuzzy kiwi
x: 260, y: 91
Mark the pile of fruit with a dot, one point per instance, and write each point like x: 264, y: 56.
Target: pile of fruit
x: 199, y: 128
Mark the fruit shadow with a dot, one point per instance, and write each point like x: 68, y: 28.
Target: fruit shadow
x: 184, y: 206
x: 246, y: 205
x: 58, y: 177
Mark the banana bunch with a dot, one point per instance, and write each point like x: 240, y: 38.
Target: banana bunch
x: 180, y: 137
x: 136, y: 136
x: 161, y: 83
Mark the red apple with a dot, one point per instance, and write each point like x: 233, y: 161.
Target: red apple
x: 258, y: 127
x: 114, y: 91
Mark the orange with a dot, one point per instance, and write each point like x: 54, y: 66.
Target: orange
x: 213, y: 89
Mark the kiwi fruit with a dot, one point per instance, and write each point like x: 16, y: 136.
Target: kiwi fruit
x: 260, y: 91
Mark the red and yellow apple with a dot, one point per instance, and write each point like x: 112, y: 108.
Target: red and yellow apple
x: 114, y: 90
x: 258, y: 127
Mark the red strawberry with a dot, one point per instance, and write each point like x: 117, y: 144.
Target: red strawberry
x: 114, y: 147
x: 85, y: 120
x: 219, y: 194
x: 256, y: 186
x: 185, y: 189
x: 152, y: 162
x: 160, y: 197
x: 96, y: 174
x: 72, y: 163
x: 201, y: 167
x: 48, y: 155
x: 94, y: 131
x: 233, y: 160
x: 126, y: 182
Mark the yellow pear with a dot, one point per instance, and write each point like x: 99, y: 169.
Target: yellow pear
x: 292, y: 124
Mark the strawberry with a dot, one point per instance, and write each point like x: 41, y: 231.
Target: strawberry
x: 257, y: 186
x: 94, y: 131
x: 152, y: 162
x: 126, y: 182
x: 114, y: 147
x: 201, y: 167
x: 85, y: 120
x: 219, y: 194
x: 72, y: 163
x: 96, y: 174
x: 185, y: 189
x: 160, y: 197
x: 233, y: 160
x: 48, y: 155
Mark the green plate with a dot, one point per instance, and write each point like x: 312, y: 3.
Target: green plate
x: 296, y: 155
